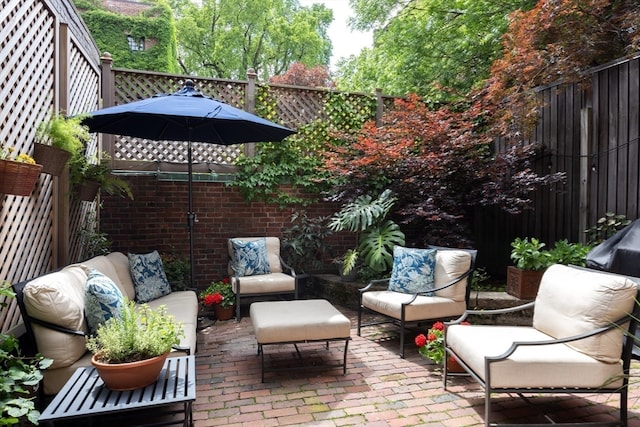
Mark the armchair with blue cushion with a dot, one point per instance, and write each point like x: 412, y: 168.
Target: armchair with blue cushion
x: 425, y: 284
x: 257, y: 269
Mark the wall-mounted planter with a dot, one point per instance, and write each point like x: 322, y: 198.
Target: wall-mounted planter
x: 523, y: 284
x: 18, y: 178
x: 52, y: 159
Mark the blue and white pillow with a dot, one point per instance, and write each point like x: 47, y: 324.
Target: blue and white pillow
x: 413, y: 270
x: 250, y: 257
x: 148, y: 276
x: 102, y: 300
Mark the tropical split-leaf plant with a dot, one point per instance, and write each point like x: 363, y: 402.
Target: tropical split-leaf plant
x: 376, y: 234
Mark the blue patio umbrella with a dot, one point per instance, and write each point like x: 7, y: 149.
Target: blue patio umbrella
x: 186, y: 115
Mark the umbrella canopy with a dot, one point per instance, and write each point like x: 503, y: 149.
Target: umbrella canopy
x: 186, y: 115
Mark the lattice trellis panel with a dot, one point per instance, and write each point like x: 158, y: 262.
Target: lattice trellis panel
x: 27, y: 40
x: 131, y: 86
x: 28, y: 61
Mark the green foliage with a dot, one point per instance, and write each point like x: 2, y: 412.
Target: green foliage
x: 20, y: 375
x: 65, y: 133
x: 304, y: 242
x: 377, y: 235
x: 155, y: 25
x: 223, y: 39
x: 141, y: 333
x: 81, y: 170
x: 528, y: 254
x: 605, y: 227
x: 439, y: 49
x: 177, y: 269
x: 92, y: 241
x: 567, y: 253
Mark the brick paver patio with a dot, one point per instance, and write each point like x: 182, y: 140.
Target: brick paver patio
x: 380, y: 389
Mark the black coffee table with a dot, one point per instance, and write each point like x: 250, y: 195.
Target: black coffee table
x: 85, y: 396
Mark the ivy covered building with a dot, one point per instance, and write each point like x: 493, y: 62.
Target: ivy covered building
x: 139, y: 34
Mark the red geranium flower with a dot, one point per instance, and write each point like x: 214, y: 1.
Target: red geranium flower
x: 421, y: 340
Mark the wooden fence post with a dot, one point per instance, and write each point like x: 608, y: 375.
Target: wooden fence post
x: 108, y: 100
x: 379, y: 107
x: 250, y: 106
x: 586, y: 118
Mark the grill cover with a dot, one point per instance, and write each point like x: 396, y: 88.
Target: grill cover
x: 620, y: 253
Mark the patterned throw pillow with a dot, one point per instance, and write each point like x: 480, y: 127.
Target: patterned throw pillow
x: 102, y: 299
x: 148, y: 276
x: 413, y: 270
x: 250, y: 257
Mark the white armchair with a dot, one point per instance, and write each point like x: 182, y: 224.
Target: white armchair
x: 257, y: 269
x: 580, y: 340
x: 446, y: 298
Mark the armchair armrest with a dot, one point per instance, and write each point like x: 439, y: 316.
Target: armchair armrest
x: 597, y: 331
x: 286, y: 266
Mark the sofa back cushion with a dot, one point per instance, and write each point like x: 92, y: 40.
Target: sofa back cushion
x: 449, y: 265
x: 110, y: 266
x: 120, y: 263
x: 58, y: 298
x: 572, y: 301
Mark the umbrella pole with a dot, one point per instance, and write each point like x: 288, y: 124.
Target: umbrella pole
x: 191, y: 216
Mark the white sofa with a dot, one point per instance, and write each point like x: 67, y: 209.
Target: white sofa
x: 53, y: 309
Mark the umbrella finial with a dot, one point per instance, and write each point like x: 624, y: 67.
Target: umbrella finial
x: 189, y: 83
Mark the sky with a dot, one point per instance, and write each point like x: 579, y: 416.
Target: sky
x: 345, y: 42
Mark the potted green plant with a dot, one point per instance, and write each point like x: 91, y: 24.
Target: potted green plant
x: 67, y: 137
x: 20, y: 375
x: 304, y: 243
x: 18, y: 172
x: 567, y: 253
x: 86, y: 178
x: 375, y: 234
x: 129, y: 351
x: 523, y: 278
x: 219, y: 295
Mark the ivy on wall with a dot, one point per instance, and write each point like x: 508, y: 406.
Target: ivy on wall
x: 154, y: 29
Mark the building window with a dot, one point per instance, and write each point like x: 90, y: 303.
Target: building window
x: 134, y: 44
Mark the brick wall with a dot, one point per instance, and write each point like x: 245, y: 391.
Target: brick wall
x: 157, y: 219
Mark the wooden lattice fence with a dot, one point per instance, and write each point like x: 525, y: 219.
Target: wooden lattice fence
x: 48, y: 63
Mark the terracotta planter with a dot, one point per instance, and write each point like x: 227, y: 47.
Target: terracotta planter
x: 129, y: 376
x: 18, y: 178
x: 523, y: 284
x: 454, y: 367
x: 52, y: 159
x: 223, y: 313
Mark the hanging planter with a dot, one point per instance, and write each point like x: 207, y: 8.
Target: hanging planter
x: 18, y: 178
x: 88, y: 190
x: 52, y: 159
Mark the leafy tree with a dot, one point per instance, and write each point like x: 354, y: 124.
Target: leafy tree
x: 439, y: 49
x: 556, y: 40
x: 223, y: 39
x: 439, y: 165
x: 300, y: 75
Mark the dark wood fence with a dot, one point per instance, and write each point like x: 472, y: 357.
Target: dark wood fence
x: 591, y: 133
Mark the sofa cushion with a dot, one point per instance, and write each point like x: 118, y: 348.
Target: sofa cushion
x: 120, y: 264
x: 148, y: 276
x: 598, y: 299
x: 449, y: 265
x: 250, y: 257
x: 58, y: 298
x: 104, y: 265
x: 413, y: 270
x: 103, y: 300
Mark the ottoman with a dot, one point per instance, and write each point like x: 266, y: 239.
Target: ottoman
x: 299, y: 321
